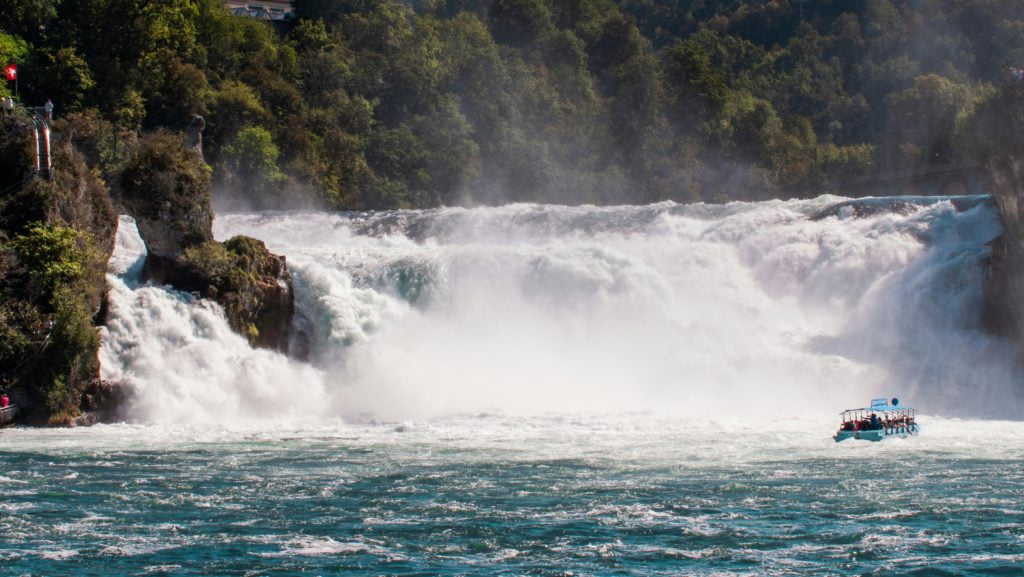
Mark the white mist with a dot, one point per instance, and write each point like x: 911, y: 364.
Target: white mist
x: 737, y: 311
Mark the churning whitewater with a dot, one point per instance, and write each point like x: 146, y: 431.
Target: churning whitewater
x: 528, y: 390
x: 773, y: 308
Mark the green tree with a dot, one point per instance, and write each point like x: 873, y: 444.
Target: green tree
x: 28, y: 19
x: 13, y: 49
x: 172, y: 89
x: 329, y: 10
x: 51, y: 256
x: 884, y: 29
x: 924, y: 117
x: 61, y: 75
x: 698, y: 87
x: 753, y: 126
x: 227, y: 110
x: 250, y: 163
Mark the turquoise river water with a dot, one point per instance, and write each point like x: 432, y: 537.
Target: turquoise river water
x: 635, y: 494
x: 551, y: 391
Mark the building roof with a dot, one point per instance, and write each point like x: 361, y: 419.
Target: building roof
x: 261, y: 9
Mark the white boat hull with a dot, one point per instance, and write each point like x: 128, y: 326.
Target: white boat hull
x: 876, y: 434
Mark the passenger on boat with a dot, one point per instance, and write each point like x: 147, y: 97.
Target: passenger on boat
x: 875, y: 423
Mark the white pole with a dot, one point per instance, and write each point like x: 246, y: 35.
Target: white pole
x: 35, y: 133
x: 49, y: 159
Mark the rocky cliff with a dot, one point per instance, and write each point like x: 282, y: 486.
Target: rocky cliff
x: 999, y: 146
x: 166, y: 188
x: 55, y: 237
x: 996, y: 140
x: 1004, y: 289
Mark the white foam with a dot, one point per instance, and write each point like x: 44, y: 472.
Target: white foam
x: 318, y: 547
x: 59, y: 555
x: 129, y: 256
x: 187, y: 365
x: 738, y: 311
x: 606, y: 439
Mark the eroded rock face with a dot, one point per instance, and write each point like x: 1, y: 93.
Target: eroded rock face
x: 194, y: 134
x: 1004, y: 289
x: 995, y: 136
x: 104, y: 402
x: 166, y: 188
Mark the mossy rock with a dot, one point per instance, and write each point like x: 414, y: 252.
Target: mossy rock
x: 165, y: 186
x: 251, y: 283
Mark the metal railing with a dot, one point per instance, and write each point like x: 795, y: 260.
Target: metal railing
x: 37, y: 115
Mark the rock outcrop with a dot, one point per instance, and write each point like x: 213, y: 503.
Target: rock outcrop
x: 998, y: 126
x: 194, y: 134
x: 166, y: 188
x: 56, y: 236
x: 1004, y: 288
x: 251, y: 283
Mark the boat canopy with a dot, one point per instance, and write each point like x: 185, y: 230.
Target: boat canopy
x: 881, y: 406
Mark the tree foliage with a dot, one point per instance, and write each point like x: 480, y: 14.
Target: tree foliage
x: 384, y: 103
x: 51, y: 257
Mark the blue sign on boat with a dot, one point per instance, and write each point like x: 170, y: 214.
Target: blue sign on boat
x: 879, y: 404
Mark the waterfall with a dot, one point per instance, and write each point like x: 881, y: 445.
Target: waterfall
x: 184, y: 362
x: 761, y: 310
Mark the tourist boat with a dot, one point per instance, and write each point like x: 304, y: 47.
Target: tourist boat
x: 882, y: 419
x: 8, y: 414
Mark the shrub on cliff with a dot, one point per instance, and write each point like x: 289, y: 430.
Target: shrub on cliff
x: 55, y: 237
x: 51, y: 256
x: 16, y: 154
x: 105, y: 145
x: 210, y: 262
x: 74, y: 198
x: 46, y: 321
x: 71, y: 361
x: 166, y: 187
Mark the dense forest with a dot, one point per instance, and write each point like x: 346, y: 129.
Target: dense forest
x: 380, y: 104
x: 366, y: 104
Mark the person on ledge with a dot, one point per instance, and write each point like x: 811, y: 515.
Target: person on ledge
x: 4, y: 401
x: 48, y: 107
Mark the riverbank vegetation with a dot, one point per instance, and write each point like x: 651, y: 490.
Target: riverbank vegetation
x: 55, y: 237
x: 369, y: 104
x: 380, y: 104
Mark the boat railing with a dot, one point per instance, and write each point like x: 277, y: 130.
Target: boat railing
x: 7, y: 414
x: 887, y: 419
